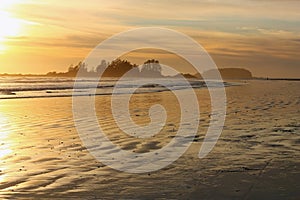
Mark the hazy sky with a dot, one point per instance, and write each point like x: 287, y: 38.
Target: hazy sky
x: 38, y: 36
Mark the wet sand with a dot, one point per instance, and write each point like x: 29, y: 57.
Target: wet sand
x: 257, y: 155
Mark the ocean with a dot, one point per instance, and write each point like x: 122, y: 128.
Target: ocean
x: 44, y: 87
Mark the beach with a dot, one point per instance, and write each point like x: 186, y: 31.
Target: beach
x: 257, y: 155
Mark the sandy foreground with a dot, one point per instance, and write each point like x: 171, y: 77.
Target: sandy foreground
x: 257, y: 155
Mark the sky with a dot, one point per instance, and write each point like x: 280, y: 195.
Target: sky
x: 260, y: 35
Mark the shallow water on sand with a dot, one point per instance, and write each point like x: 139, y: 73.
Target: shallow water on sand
x: 257, y: 155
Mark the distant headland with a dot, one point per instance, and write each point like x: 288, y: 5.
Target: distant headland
x: 150, y: 68
x: 229, y: 73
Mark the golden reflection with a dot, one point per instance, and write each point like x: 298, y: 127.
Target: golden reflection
x: 4, y: 134
x: 4, y: 144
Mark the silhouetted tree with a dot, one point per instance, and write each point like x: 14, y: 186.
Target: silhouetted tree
x: 151, y: 68
x: 100, y: 68
x: 118, y: 68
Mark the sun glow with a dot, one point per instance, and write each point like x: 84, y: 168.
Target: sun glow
x: 9, y: 26
x: 8, y: 3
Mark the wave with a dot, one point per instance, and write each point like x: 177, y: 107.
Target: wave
x: 12, y: 88
x: 74, y: 94
x: 27, y: 89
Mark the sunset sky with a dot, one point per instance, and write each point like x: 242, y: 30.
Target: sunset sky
x: 38, y: 36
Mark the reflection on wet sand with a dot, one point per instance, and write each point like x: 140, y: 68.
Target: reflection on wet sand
x: 257, y: 154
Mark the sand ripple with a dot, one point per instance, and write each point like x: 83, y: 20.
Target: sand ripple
x: 258, y: 152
